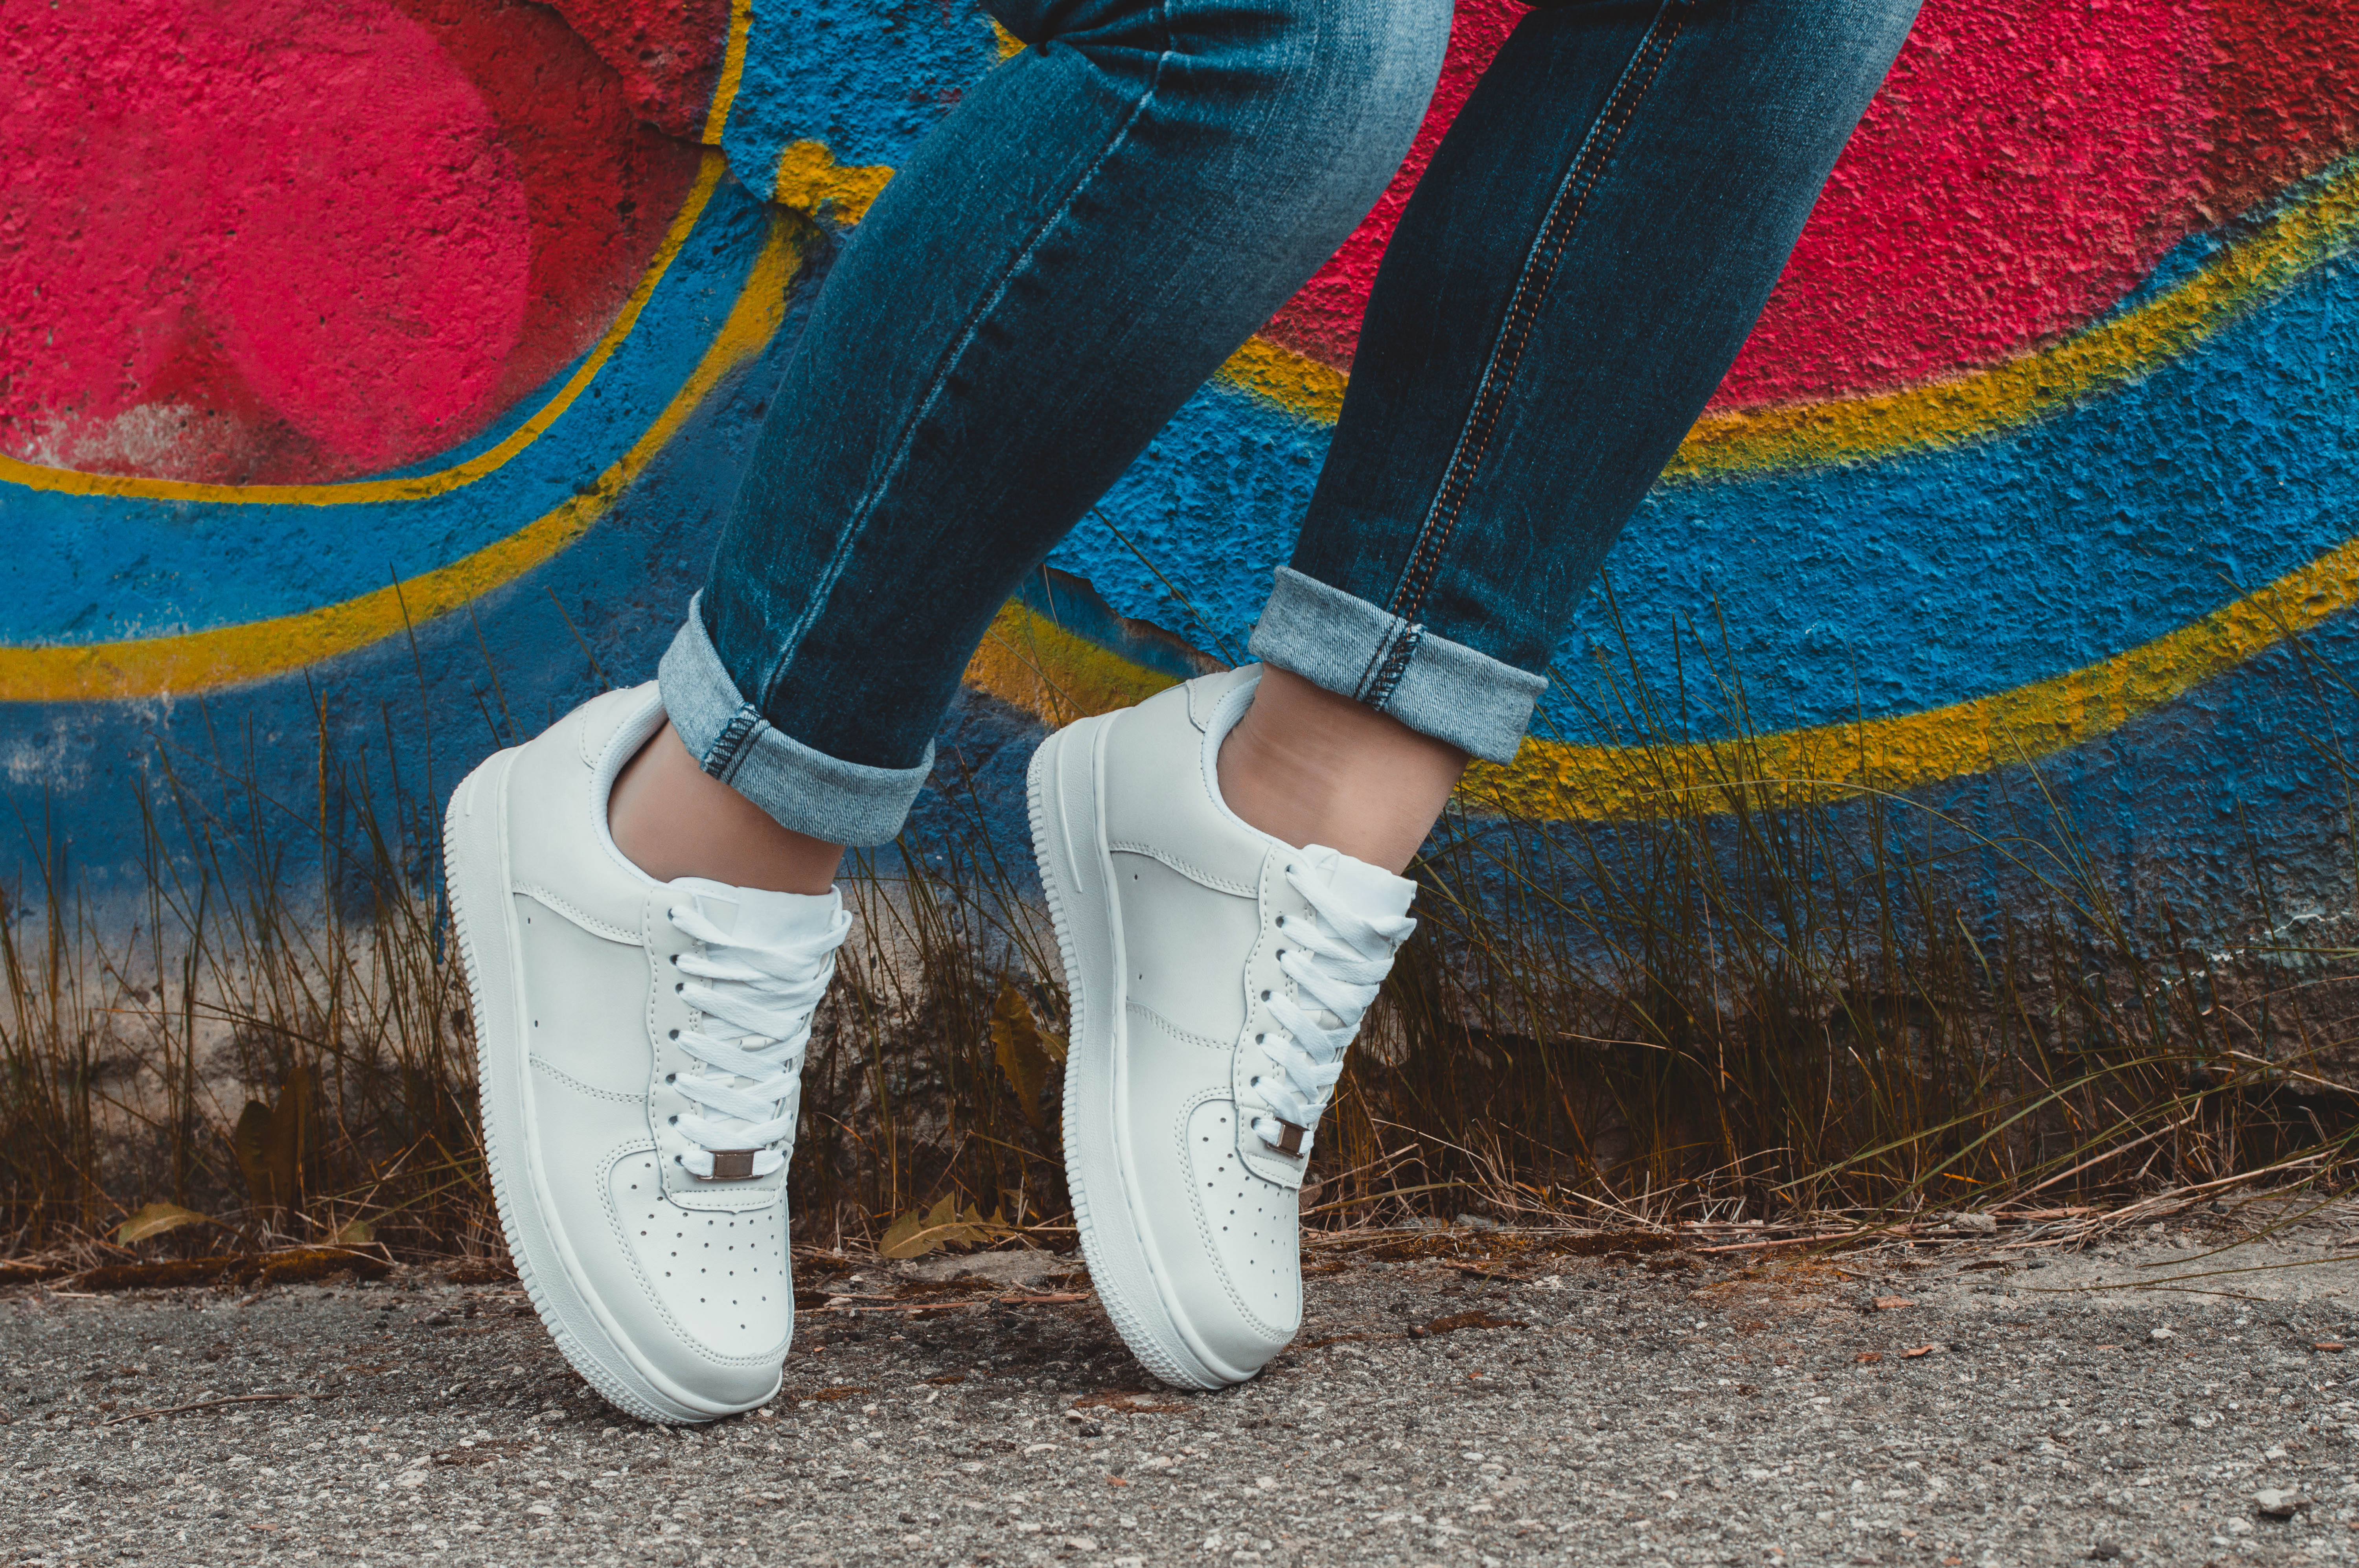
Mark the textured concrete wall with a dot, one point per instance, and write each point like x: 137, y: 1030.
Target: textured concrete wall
x: 379, y: 371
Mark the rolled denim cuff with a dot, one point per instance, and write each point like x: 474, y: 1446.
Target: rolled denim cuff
x: 808, y: 791
x: 1341, y: 643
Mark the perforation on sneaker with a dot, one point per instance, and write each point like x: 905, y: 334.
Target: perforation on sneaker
x: 1250, y: 1222
x: 695, y: 1261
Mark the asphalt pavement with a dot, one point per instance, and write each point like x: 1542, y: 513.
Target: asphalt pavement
x: 1470, y: 1397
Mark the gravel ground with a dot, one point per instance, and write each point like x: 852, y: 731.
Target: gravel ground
x: 1501, y: 1405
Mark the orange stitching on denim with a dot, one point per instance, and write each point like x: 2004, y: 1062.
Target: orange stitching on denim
x: 1535, y: 282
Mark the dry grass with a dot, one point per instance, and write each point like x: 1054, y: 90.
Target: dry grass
x: 1806, y: 1017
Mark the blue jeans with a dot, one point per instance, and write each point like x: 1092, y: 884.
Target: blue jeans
x: 1103, y: 220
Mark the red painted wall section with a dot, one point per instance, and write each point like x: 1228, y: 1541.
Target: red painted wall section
x: 1323, y: 320
x: 226, y: 221
x: 2284, y: 87
x: 275, y: 242
x: 600, y: 183
x: 667, y: 53
x: 2022, y: 169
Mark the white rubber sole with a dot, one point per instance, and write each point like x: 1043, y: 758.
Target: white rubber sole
x: 482, y: 916
x: 1068, y: 840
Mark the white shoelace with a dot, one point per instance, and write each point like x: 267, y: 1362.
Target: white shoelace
x: 750, y: 1086
x: 1338, y: 961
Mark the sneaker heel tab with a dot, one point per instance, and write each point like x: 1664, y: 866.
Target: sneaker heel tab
x: 618, y: 721
x: 1206, y: 692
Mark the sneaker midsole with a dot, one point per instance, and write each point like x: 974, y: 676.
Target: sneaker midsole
x: 475, y: 854
x: 1124, y: 1266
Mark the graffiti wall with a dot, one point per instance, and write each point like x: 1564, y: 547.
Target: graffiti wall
x: 379, y: 373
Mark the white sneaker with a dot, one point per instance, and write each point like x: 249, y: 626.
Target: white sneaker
x: 639, y: 1047
x: 1216, y: 976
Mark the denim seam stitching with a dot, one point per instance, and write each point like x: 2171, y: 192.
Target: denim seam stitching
x: 1396, y: 627
x: 1399, y: 649
x: 719, y: 761
x: 1532, y: 288
x: 857, y: 524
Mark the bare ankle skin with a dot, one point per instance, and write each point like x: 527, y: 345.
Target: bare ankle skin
x: 671, y: 818
x: 1308, y: 767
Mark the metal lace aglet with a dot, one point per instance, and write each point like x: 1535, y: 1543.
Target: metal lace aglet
x: 1289, y: 1145
x: 731, y: 1165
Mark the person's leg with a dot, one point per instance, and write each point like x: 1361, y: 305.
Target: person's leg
x: 1574, y: 275
x: 1069, y: 255
x: 1571, y: 279
x: 1087, y: 237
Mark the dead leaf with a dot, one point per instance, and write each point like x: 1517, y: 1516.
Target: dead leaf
x: 156, y: 1218
x: 1892, y: 1303
x: 1026, y: 1053
x: 251, y: 1142
x: 477, y: 1272
x: 1913, y: 1354
x: 24, y: 1273
x: 945, y: 1224
x: 270, y: 1140
x: 829, y: 1396
x: 319, y: 1262
x: 271, y: 1267
x: 2327, y: 1345
x: 353, y: 1233
x: 1868, y: 1357
x: 1128, y: 1399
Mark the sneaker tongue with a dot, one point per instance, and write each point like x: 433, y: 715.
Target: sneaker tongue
x: 757, y: 918
x: 1373, y: 891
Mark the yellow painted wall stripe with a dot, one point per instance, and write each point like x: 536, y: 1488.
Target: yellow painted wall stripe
x: 1296, y: 382
x: 418, y: 487
x: 225, y: 656
x: 2019, y: 390
x: 1057, y: 675
x: 809, y: 180
x: 1944, y: 413
x: 1555, y: 779
x: 1029, y: 662
x: 733, y: 72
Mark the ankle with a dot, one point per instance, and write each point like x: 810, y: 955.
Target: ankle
x: 673, y: 819
x: 1307, y: 766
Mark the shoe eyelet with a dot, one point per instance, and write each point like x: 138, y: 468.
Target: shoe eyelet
x: 1265, y: 996
x: 680, y: 986
x: 674, y: 1034
x: 674, y: 1121
x: 1259, y: 1038
x: 671, y: 1077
